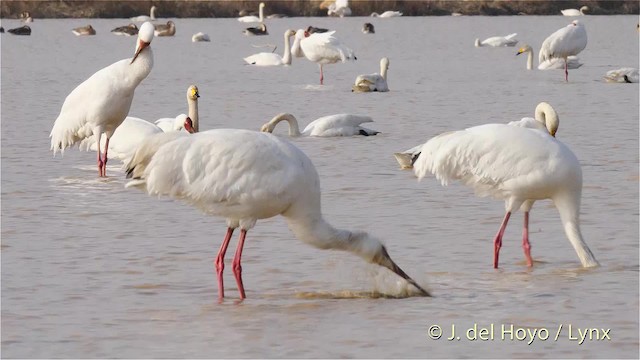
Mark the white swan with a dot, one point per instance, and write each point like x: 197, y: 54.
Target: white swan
x: 373, y: 82
x: 574, y: 12
x: 540, y: 121
x: 567, y: 41
x: 198, y: 37
x: 253, y: 18
x: 497, y: 41
x: 551, y: 63
x: 245, y: 176
x: 387, y: 14
x: 101, y: 103
x: 272, y: 59
x: 622, y: 75
x: 150, y: 17
x: 515, y: 164
x: 323, y: 48
x: 168, y: 124
x: 131, y: 133
x: 339, y: 8
x: 326, y: 126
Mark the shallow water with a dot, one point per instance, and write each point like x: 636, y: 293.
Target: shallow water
x: 91, y: 269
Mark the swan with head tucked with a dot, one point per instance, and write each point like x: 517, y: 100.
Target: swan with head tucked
x: 131, y: 133
x: 540, y: 121
x: 567, y: 41
x: 258, y: 30
x: 497, y: 41
x: 84, y: 31
x: 101, y: 103
x: 200, y: 37
x: 253, y: 18
x: 622, y: 75
x: 168, y: 124
x: 551, y: 63
x: 150, y: 17
x: 326, y: 126
x: 387, y: 14
x: 373, y: 82
x: 321, y: 48
x: 168, y: 29
x: 574, y: 12
x: 245, y: 176
x: 129, y: 30
x: 272, y: 59
x: 517, y: 164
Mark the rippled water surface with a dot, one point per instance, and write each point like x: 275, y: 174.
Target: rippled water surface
x: 91, y: 269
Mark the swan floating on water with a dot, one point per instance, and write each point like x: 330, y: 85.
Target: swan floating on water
x: 272, y: 59
x: 200, y: 37
x: 497, y: 41
x: 387, y: 14
x: 326, y: 126
x: 253, y: 18
x: 622, y: 75
x: 373, y: 82
x: 168, y: 29
x: 150, y: 17
x: 259, y: 30
x: 575, y: 12
x: 169, y: 124
x: 84, y: 31
x: 129, y: 30
x: 551, y: 63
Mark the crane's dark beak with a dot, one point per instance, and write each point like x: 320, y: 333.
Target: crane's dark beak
x: 383, y: 259
x: 139, y: 48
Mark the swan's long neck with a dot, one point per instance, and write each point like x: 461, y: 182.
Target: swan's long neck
x: 294, y: 130
x: 478, y: 44
x: 193, y: 113
x: 261, y: 14
x: 286, y: 58
x: 569, y: 208
x: 548, y: 117
x: 152, y: 13
x: 383, y: 71
x: 530, y: 59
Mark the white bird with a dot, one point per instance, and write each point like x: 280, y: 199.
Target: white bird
x: 168, y: 29
x: 169, y: 124
x: 129, y: 30
x: 551, y: 63
x: 272, y: 59
x: 84, y: 31
x: 550, y: 124
x: 101, y: 103
x: 567, y: 41
x: 574, y: 12
x: 497, y: 41
x: 245, y: 176
x: 253, y: 18
x: 373, y: 82
x: 25, y: 17
x: 339, y: 8
x: 324, y: 48
x: 200, y: 37
x: 622, y: 75
x: 516, y: 164
x: 150, y: 17
x: 387, y: 14
x: 326, y: 126
x: 130, y: 134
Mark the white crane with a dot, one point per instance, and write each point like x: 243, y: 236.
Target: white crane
x: 567, y: 41
x: 551, y: 63
x: 321, y: 48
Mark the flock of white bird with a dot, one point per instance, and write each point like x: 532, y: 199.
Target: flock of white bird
x: 244, y: 176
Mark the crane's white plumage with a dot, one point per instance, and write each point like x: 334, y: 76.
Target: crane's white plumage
x: 150, y: 17
x: 253, y: 18
x: 549, y: 64
x: 101, y: 103
x: 326, y: 126
x: 272, y: 59
x: 567, y: 41
x: 518, y: 164
x: 245, y: 176
x: 373, y: 82
x: 497, y: 41
x: 622, y: 75
x: 323, y: 48
x: 130, y: 134
x: 387, y: 14
x: 169, y: 124
x: 574, y: 12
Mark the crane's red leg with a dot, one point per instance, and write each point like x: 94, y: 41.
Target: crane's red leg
x: 525, y: 240
x: 104, y: 160
x: 566, y: 70
x: 237, y: 268
x: 497, y: 242
x: 220, y: 261
x: 321, y: 76
x: 99, y: 155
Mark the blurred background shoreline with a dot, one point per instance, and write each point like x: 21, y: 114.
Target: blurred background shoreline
x: 11, y: 9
